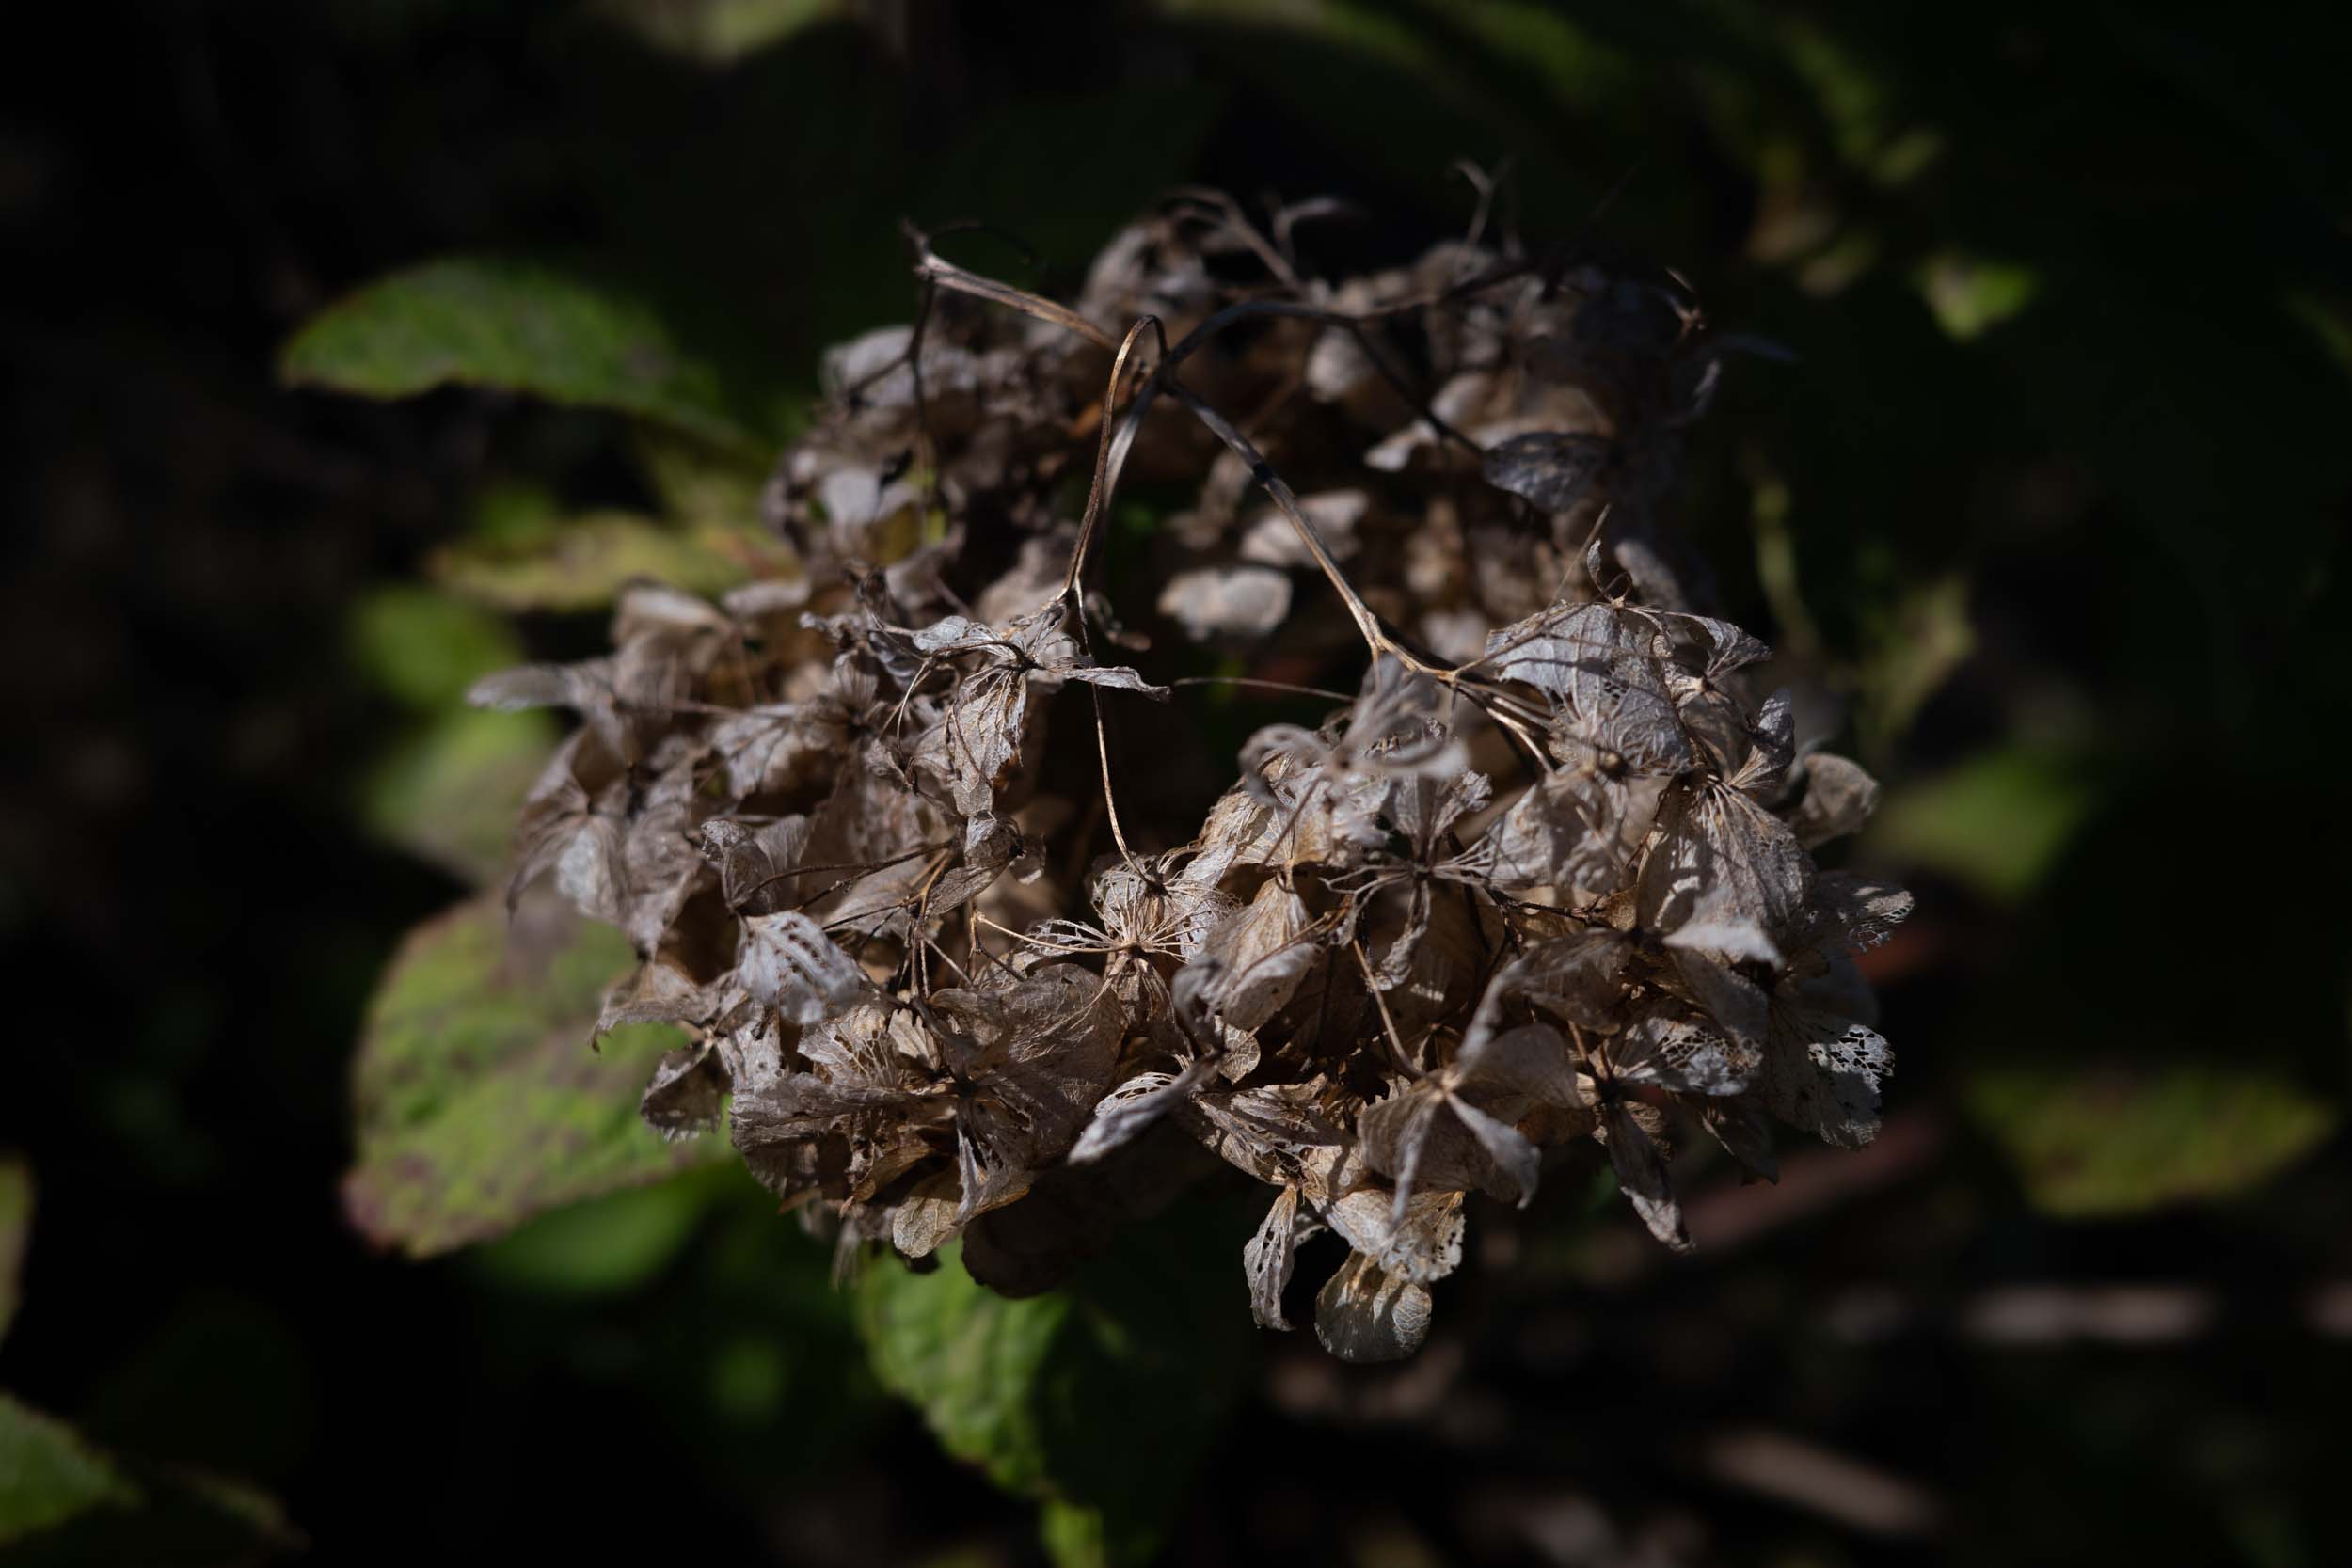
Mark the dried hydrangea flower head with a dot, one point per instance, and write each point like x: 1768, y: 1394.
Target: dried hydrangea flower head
x: 1546, y: 878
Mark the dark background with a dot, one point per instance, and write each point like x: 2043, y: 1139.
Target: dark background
x: 2124, y: 808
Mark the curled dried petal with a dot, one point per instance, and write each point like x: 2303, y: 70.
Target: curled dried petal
x: 1364, y: 1313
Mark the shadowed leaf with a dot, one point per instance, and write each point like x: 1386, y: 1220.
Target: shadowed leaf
x: 606, y: 1247
x: 520, y: 326
x: 49, y: 1475
x: 1997, y: 822
x: 1056, y: 1395
x: 2089, y: 1142
x: 1549, y: 469
x: 16, y: 1232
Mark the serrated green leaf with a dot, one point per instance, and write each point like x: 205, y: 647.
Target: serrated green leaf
x: 2094, y: 1140
x: 1054, y: 1396
x: 450, y: 793
x: 16, y: 1232
x: 479, y: 1102
x: 584, y: 563
x: 520, y: 325
x: 49, y: 1475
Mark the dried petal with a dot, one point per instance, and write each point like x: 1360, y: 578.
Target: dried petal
x: 1267, y: 1259
x: 1838, y: 800
x: 1679, y: 1053
x: 929, y: 1217
x: 1260, y: 956
x: 1551, y: 469
x: 688, y: 1093
x: 1230, y: 601
x: 1365, y: 1314
x: 1122, y: 1114
x: 1723, y: 861
x: 788, y: 962
x: 1425, y: 1245
x: 1640, y: 1168
x: 1821, y: 1073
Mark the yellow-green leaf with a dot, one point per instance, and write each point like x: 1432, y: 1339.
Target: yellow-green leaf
x: 583, y: 564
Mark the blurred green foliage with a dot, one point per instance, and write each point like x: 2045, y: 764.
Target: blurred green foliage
x: 16, y: 1231
x: 48, y: 1474
x: 1995, y: 822
x: 2090, y: 1139
x: 717, y: 31
x: 66, y: 1499
x: 583, y: 564
x: 603, y: 1246
x: 422, y: 649
x: 449, y: 789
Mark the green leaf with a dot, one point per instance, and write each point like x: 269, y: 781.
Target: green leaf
x: 1997, y: 822
x: 1970, y: 294
x: 16, y: 1231
x: 969, y: 1360
x: 449, y: 788
x: 700, y: 483
x: 424, y: 648
x: 449, y: 793
x: 1076, y: 1536
x: 2095, y: 1141
x: 49, y: 1474
x: 584, y: 563
x: 716, y: 31
x: 479, y: 1100
x: 606, y: 1246
x: 520, y: 325
x: 1056, y: 1396
x: 1909, y: 650
x: 64, y: 1501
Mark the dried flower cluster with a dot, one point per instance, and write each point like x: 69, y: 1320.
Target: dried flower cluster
x: 1544, y: 878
